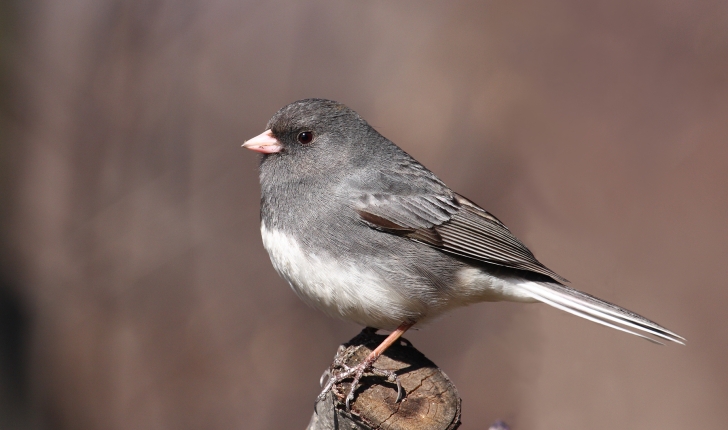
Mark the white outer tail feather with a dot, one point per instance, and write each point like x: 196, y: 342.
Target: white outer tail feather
x: 593, y: 309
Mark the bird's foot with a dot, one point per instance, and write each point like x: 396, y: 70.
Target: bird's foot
x: 331, y: 377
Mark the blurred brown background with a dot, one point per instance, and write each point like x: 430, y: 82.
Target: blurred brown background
x: 134, y: 289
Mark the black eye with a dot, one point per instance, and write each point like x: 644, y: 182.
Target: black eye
x: 305, y: 137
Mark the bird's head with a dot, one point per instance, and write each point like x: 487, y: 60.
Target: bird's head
x: 314, y: 137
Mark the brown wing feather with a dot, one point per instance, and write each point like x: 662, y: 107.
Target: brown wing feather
x: 452, y: 224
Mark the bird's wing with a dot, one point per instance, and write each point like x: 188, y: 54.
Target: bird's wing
x: 452, y: 224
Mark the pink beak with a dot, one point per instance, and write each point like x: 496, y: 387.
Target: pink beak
x: 264, y: 142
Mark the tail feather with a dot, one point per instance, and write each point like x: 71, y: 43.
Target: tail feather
x: 589, y: 307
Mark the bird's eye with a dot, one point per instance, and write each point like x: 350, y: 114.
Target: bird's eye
x: 305, y: 137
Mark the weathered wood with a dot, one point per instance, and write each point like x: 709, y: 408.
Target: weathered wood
x: 431, y: 399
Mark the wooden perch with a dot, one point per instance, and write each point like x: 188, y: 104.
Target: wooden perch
x: 431, y: 399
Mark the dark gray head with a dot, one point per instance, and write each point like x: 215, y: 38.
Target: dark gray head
x: 316, y: 137
x: 312, y: 123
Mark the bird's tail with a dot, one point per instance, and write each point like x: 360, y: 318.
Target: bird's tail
x: 605, y: 313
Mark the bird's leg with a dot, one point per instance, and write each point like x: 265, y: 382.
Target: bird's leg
x: 359, y: 370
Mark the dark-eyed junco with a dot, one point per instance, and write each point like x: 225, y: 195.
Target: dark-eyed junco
x: 363, y: 232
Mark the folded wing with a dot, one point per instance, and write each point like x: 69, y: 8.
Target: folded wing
x: 452, y: 224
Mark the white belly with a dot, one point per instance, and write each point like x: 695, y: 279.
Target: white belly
x: 337, y: 288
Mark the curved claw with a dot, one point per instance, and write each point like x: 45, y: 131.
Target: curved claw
x: 324, y: 377
x: 350, y: 396
x: 348, y: 402
x: 400, y: 392
x: 357, y: 372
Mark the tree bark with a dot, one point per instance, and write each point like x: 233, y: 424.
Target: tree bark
x: 431, y: 400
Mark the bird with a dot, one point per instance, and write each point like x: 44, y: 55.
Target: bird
x: 365, y: 233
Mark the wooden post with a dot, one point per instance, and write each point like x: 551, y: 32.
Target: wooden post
x: 431, y: 399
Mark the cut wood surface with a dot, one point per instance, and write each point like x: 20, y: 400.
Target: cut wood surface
x: 430, y: 402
